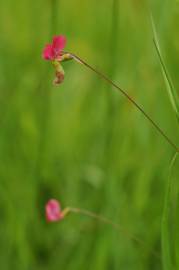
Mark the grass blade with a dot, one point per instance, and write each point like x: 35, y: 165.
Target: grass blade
x: 172, y: 93
x: 166, y: 245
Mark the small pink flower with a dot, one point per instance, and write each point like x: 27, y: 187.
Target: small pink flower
x: 53, y: 211
x: 53, y: 51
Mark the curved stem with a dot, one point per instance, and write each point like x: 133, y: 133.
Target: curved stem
x: 124, y: 93
x: 113, y: 224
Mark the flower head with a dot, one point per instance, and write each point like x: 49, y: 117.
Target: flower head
x: 53, y: 51
x: 53, y: 211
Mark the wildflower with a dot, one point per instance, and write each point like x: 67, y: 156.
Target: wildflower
x: 54, y: 52
x: 53, y: 211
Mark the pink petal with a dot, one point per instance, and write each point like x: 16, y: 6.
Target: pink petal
x: 48, y: 53
x: 59, y: 43
x: 53, y: 211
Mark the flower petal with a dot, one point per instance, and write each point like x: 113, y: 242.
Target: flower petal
x: 48, y: 53
x: 53, y: 211
x: 59, y: 43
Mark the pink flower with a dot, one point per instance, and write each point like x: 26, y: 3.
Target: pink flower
x: 53, y: 211
x: 53, y: 51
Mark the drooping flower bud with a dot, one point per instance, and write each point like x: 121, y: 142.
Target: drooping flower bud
x: 59, y: 78
x: 59, y: 73
x: 53, y: 211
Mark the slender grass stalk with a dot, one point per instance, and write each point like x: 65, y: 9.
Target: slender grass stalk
x: 107, y: 221
x: 110, y: 106
x: 166, y: 246
x: 126, y: 95
x: 113, y: 40
x: 44, y: 108
x: 54, y: 16
x: 110, y: 98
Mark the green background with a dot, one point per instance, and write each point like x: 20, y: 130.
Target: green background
x: 82, y: 142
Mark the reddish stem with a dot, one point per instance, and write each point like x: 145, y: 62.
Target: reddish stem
x: 124, y: 93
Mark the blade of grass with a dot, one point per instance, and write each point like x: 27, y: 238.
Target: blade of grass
x: 172, y: 93
x: 165, y: 237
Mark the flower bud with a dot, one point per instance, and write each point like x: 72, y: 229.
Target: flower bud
x: 59, y: 73
x: 53, y: 211
x: 59, y: 78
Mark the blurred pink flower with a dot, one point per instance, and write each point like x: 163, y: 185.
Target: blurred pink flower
x: 53, y: 211
x: 53, y: 51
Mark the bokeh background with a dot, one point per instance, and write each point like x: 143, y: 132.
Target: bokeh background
x: 82, y: 142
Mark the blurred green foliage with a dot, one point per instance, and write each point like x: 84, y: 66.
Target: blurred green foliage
x: 82, y: 142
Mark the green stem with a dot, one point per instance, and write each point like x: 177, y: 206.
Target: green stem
x: 109, y: 222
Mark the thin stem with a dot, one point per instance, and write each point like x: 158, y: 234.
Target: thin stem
x: 124, y: 93
x: 113, y: 224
